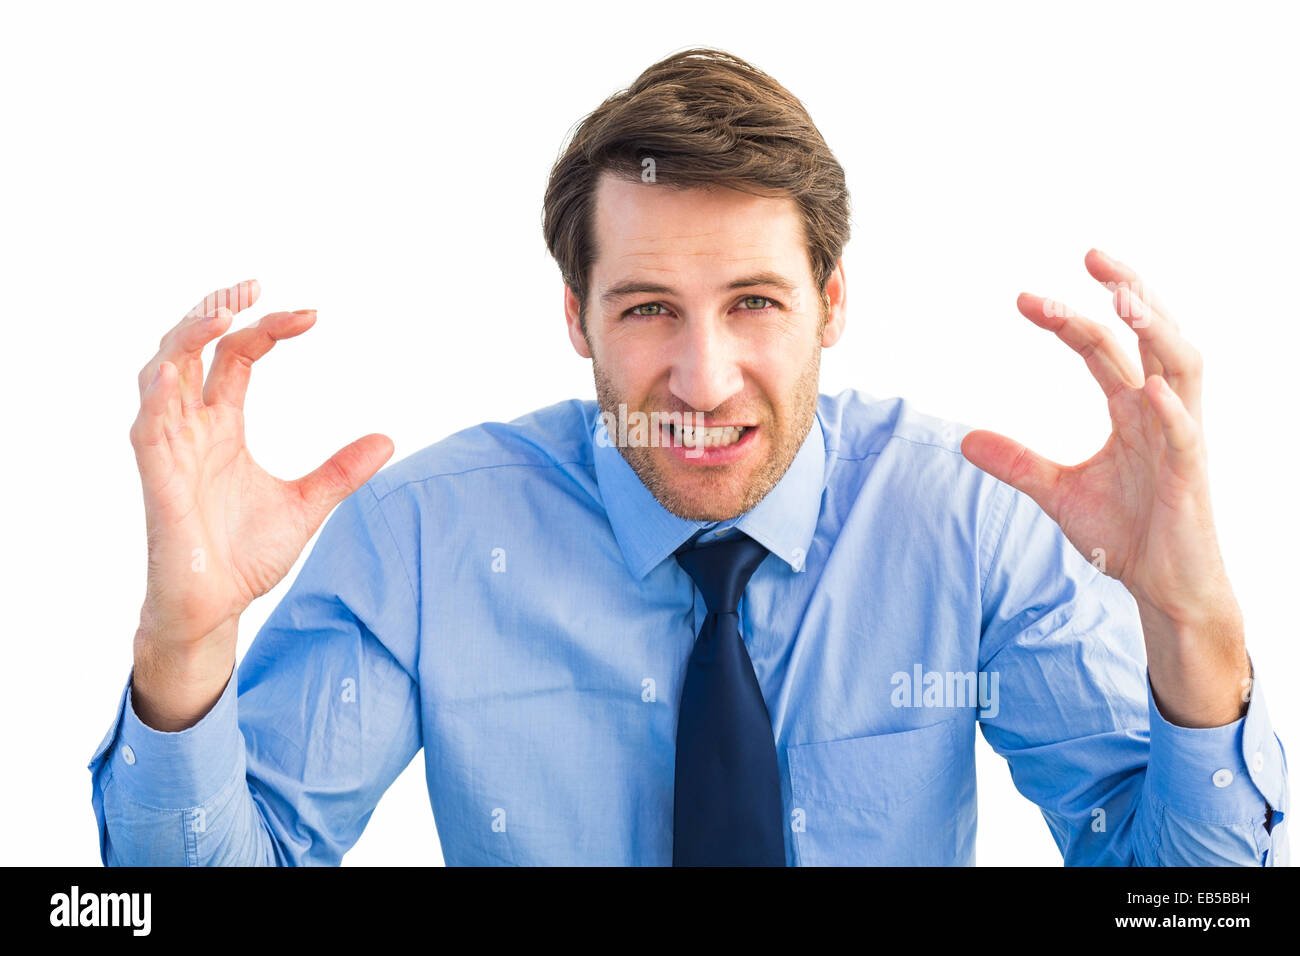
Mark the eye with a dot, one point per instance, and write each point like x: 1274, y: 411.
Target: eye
x: 754, y: 303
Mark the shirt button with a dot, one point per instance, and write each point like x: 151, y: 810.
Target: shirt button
x: 1257, y: 761
x: 1222, y: 778
x: 128, y: 754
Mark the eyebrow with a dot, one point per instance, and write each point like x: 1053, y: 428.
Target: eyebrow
x: 632, y: 287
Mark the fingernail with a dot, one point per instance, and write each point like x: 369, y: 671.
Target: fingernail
x: 304, y: 311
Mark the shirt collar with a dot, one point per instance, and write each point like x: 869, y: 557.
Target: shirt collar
x: 783, y: 522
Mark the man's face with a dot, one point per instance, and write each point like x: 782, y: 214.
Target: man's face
x: 702, y: 301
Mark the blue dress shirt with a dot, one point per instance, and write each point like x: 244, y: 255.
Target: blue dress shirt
x: 506, y: 600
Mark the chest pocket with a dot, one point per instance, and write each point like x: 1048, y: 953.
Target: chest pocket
x: 879, y: 800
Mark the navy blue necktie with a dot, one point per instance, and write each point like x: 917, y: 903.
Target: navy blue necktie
x: 727, y: 792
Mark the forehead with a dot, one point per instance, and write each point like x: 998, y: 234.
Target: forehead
x: 655, y: 226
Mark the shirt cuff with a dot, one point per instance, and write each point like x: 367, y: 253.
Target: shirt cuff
x: 1218, y: 774
x: 175, y: 770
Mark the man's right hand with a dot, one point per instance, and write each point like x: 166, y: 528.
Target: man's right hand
x: 221, y: 531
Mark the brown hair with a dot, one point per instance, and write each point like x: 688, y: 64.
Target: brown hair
x: 706, y: 118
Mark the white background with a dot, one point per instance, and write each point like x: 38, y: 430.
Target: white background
x: 385, y: 164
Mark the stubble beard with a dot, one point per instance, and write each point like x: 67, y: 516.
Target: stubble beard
x: 720, y: 485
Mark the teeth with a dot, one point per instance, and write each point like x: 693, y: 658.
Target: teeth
x: 710, y: 437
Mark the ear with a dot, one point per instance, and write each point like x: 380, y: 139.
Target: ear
x: 575, y: 327
x: 837, y: 295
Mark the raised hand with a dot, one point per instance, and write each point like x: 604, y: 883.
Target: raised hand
x: 1139, y: 509
x: 221, y: 531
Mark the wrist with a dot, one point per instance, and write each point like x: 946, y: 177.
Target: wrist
x: 181, y: 635
x: 1198, y: 668
x: 173, y: 683
x: 1209, y: 606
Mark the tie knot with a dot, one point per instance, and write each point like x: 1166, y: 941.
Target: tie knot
x: 721, y: 571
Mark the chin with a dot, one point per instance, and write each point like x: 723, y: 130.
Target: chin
x: 701, y: 503
x: 709, y: 512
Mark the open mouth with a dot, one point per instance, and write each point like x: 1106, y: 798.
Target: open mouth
x: 689, y: 436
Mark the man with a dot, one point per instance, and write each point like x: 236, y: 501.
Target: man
x: 712, y: 617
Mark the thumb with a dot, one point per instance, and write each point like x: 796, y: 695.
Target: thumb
x: 346, y: 470
x: 1013, y: 463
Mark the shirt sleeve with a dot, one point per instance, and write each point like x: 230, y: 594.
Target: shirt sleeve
x: 1077, y: 723
x: 318, y: 719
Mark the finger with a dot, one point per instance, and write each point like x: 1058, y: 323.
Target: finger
x: 173, y: 420
x: 148, y: 435
x: 346, y: 470
x: 1150, y: 364
x: 1114, y: 275
x: 1013, y: 463
x: 232, y: 363
x: 1098, y: 345
x: 1182, y: 432
x: 183, y: 343
x: 236, y: 298
x: 187, y: 354
x: 1180, y: 364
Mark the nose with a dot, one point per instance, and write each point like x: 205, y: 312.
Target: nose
x: 705, y: 366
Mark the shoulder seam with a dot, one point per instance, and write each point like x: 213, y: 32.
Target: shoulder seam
x: 466, y: 471
x: 897, y: 437
x: 415, y: 597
